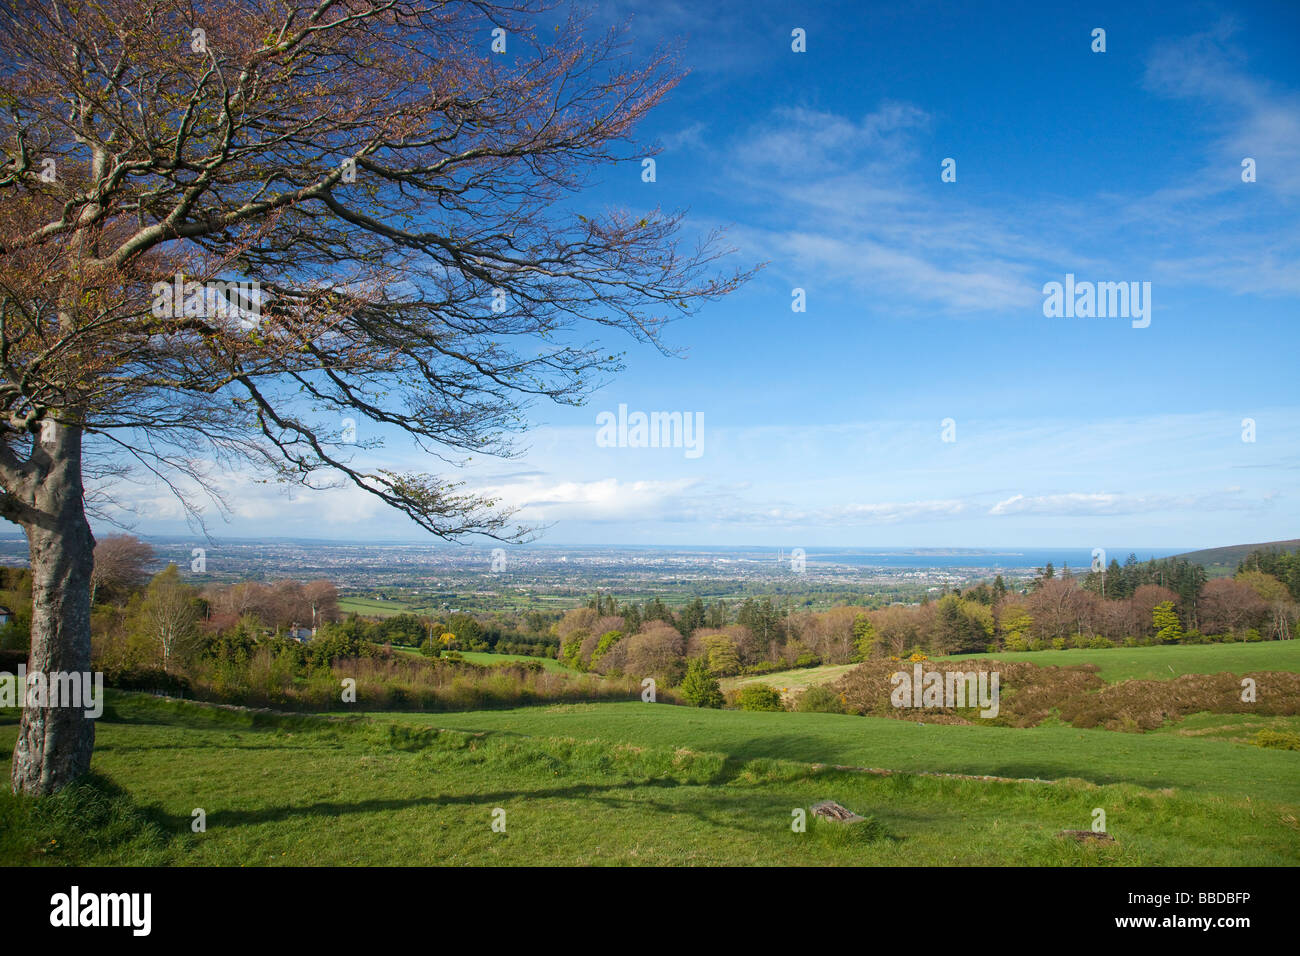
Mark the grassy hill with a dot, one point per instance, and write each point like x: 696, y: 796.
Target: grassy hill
x: 1114, y: 664
x: 1163, y: 662
x: 647, y: 784
x: 1225, y: 560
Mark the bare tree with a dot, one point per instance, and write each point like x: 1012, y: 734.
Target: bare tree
x: 323, y: 598
x: 406, y: 202
x: 121, y: 565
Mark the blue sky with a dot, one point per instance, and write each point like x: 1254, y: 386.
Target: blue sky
x: 924, y: 298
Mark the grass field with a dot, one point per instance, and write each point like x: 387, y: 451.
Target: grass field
x: 1165, y: 662
x: 795, y: 680
x: 1049, y: 752
x: 1113, y: 663
x: 634, y: 783
x: 482, y: 657
x: 372, y: 607
x: 491, y: 660
x: 396, y: 791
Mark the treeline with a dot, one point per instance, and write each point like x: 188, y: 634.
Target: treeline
x: 285, y: 644
x: 1168, y: 601
x: 1282, y: 565
x: 527, y: 634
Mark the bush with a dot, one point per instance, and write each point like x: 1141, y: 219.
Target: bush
x: 1277, y: 740
x: 1017, y: 642
x: 758, y: 697
x: 699, y: 687
x: 819, y: 699
x: 1058, y: 643
x: 150, y: 679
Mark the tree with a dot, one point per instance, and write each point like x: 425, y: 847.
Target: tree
x: 720, y: 655
x: 692, y: 618
x: 1015, y: 622
x: 655, y: 652
x: 864, y: 637
x: 265, y: 227
x: 699, y: 687
x: 120, y: 563
x: 170, y: 614
x: 323, y: 599
x: 1169, y: 629
x: 1229, y: 606
x: 607, y: 640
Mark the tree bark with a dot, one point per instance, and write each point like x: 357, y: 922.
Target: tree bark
x: 55, y: 743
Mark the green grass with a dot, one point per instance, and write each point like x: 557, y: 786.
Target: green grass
x: 1164, y: 662
x: 1238, y: 728
x: 489, y: 659
x: 309, y: 791
x: 548, y: 663
x: 792, y: 680
x: 372, y: 607
x: 1114, y: 663
x: 1049, y: 752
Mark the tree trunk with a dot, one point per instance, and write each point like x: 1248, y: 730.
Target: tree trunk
x: 55, y: 743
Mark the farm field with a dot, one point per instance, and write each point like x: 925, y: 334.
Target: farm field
x: 373, y: 607
x: 1155, y: 760
x: 1163, y: 662
x: 792, y: 680
x: 1113, y: 663
x: 643, y: 784
x: 488, y: 659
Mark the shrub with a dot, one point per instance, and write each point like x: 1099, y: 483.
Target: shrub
x: 819, y: 699
x: 758, y: 697
x: 699, y: 687
x: 1277, y: 740
x: 1058, y: 643
x: 1017, y: 642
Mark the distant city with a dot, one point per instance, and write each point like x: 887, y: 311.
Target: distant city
x: 544, y: 575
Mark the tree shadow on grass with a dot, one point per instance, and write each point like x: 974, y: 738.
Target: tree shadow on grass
x: 334, y: 810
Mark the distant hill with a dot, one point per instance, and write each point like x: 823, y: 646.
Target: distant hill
x: 1228, y: 558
